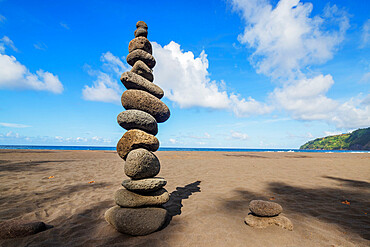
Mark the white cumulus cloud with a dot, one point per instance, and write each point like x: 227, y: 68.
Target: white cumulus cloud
x: 113, y: 63
x: 246, y: 107
x: 106, y: 87
x: 186, y: 81
x: 239, y: 135
x: 173, y: 141
x: 285, y: 41
x: 11, y: 134
x: 14, y: 75
x: 184, y: 78
x: 352, y: 114
x: 306, y: 99
x: 6, y: 41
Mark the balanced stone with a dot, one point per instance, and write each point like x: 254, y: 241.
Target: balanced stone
x: 136, y: 221
x: 144, y: 56
x: 144, y: 185
x: 265, y: 208
x: 140, y: 68
x: 141, y: 32
x: 129, y: 199
x: 135, y: 138
x: 141, y: 163
x: 133, y: 81
x: 136, y: 119
x: 141, y: 43
x: 142, y: 25
x: 141, y: 100
x: 263, y: 222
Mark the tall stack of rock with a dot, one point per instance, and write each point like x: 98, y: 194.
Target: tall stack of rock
x: 138, y: 210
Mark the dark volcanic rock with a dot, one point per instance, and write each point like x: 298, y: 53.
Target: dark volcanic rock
x: 129, y: 199
x: 141, y: 43
x: 141, y: 100
x: 133, y: 81
x: 144, y: 56
x: 265, y: 208
x: 136, y: 119
x: 133, y: 139
x: 141, y: 163
x: 140, y: 68
x: 136, y: 221
x: 144, y: 185
x: 21, y: 228
x: 142, y: 25
x: 263, y: 222
x: 141, y: 32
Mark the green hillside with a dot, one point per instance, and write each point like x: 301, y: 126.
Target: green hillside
x: 357, y: 140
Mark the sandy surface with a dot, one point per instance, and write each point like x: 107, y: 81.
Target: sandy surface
x: 210, y: 192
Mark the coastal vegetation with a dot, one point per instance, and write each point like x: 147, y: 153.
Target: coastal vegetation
x: 356, y: 140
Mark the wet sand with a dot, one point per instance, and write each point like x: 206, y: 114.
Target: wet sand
x: 210, y: 193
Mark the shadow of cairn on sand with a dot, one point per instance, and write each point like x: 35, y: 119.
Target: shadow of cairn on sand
x: 174, y: 205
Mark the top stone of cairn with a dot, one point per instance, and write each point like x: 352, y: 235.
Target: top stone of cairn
x: 142, y: 25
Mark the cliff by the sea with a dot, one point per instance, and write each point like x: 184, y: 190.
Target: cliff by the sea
x: 357, y: 140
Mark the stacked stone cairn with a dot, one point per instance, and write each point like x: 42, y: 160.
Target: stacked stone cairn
x: 139, y: 210
x: 265, y: 213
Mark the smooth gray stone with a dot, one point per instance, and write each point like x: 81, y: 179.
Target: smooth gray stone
x: 141, y: 163
x: 265, y: 208
x: 141, y: 43
x: 136, y: 119
x: 144, y: 56
x: 129, y: 199
x: 134, y: 139
x: 144, y: 185
x: 141, y: 32
x: 263, y: 222
x: 133, y: 81
x: 141, y: 100
x: 136, y: 221
x: 140, y: 68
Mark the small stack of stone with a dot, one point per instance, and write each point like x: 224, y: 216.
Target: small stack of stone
x: 265, y: 213
x: 138, y: 210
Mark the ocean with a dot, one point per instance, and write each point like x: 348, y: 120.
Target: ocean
x: 179, y: 149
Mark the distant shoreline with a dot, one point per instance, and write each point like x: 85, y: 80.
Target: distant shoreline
x: 100, y: 148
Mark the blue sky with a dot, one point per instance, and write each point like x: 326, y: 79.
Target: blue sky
x: 238, y: 73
